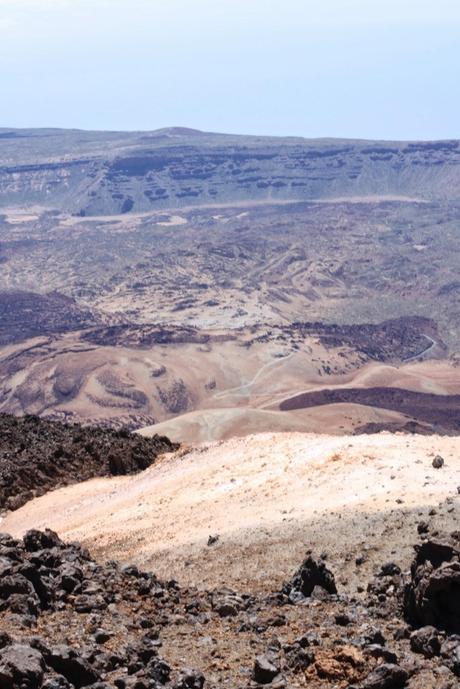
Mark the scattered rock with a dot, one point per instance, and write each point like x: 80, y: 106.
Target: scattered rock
x: 190, y: 679
x: 312, y: 573
x: 450, y: 652
x: 65, y: 661
x: 423, y: 527
x: 75, y: 623
x: 438, y: 462
x: 389, y: 569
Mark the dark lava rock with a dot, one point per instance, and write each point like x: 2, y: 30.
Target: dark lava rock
x: 389, y: 569
x: 227, y: 608
x: 438, y: 462
x: 377, y: 651
x: 432, y: 597
x: 229, y: 604
x: 40, y: 540
x: 21, y: 667
x: 265, y: 670
x: 70, y: 623
x: 343, y: 619
x: 114, y: 601
x: 56, y: 683
x: 426, y: 641
x: 386, y: 676
x: 312, y: 573
x: 37, y: 456
x: 101, y: 636
x: 74, y: 668
x: 423, y: 527
x: 298, y: 658
x: 450, y: 652
x: 372, y: 635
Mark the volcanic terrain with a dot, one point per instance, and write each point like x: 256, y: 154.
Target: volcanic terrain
x: 206, y: 281
x: 292, y: 556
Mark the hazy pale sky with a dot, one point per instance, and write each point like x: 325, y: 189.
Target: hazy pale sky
x: 385, y: 69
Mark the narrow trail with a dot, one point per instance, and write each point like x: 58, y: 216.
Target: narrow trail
x: 425, y: 351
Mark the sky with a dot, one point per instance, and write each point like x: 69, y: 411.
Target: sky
x: 376, y: 69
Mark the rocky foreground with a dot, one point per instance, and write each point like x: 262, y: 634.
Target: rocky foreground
x: 67, y: 621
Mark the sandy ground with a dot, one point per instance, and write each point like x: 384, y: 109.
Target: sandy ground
x: 199, y: 393
x: 372, y: 198
x: 269, y: 497
x: 253, y: 406
x: 207, y: 425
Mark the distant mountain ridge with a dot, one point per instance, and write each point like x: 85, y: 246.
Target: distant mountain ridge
x: 108, y: 173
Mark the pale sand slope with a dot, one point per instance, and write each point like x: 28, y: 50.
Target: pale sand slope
x: 268, y: 496
x: 207, y: 425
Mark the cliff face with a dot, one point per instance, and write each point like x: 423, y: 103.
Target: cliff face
x: 112, y: 173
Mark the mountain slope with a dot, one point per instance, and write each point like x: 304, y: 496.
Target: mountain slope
x: 268, y: 497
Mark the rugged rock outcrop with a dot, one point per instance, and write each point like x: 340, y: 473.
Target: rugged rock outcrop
x: 432, y: 596
x: 37, y: 456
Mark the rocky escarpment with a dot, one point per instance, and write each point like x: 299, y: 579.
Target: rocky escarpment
x: 37, y: 456
x: 94, y: 173
x: 67, y: 621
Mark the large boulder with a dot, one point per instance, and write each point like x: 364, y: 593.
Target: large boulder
x: 432, y: 596
x: 21, y: 666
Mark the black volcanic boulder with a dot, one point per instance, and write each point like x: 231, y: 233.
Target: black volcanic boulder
x: 65, y: 661
x: 310, y: 574
x: 386, y: 676
x: 438, y: 462
x: 21, y: 666
x: 426, y: 641
x: 265, y: 670
x: 432, y: 597
x: 40, y: 540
